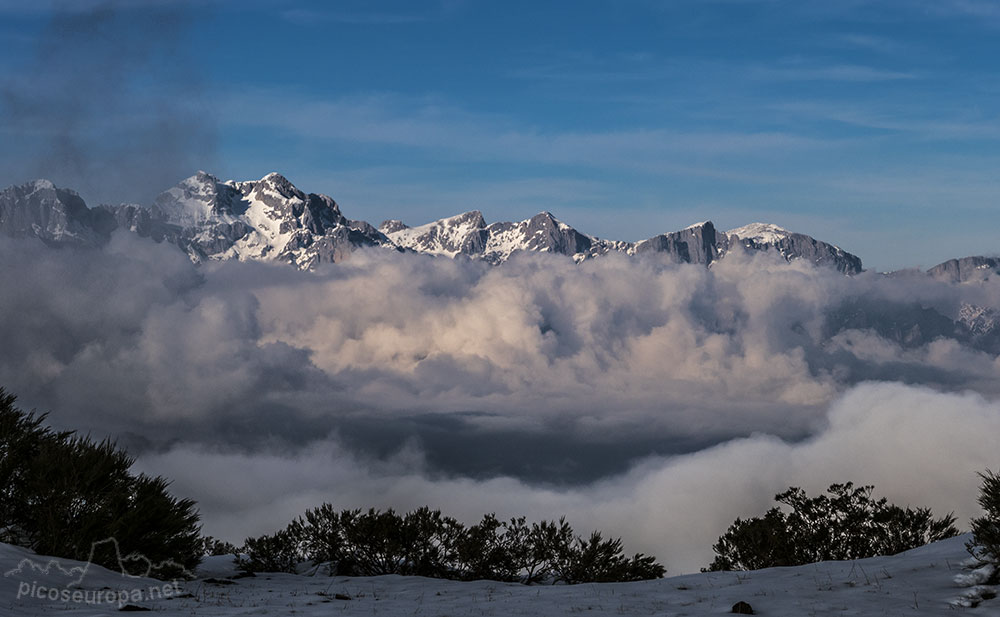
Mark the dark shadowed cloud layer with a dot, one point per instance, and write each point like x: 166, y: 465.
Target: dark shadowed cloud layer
x: 656, y: 400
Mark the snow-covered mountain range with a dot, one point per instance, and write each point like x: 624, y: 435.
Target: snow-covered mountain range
x: 272, y: 220
x: 468, y: 234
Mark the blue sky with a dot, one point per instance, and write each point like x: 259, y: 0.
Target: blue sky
x: 873, y: 125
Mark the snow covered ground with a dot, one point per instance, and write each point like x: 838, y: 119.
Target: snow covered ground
x: 919, y: 582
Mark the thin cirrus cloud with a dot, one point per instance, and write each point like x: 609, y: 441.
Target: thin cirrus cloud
x: 881, y: 44
x: 318, y: 14
x: 840, y: 72
x: 979, y: 9
x: 312, y: 17
x: 948, y: 123
x: 394, y: 121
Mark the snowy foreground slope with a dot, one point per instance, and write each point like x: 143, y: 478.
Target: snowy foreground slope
x: 919, y: 582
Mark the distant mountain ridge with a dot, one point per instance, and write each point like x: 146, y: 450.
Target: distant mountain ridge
x: 468, y: 234
x: 965, y: 269
x: 272, y: 220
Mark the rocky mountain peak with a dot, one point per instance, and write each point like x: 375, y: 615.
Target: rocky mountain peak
x: 698, y: 244
x: 41, y: 185
x: 462, y: 234
x: 473, y: 218
x: 761, y: 233
x: 546, y: 219
x: 56, y: 216
x: 201, y: 184
x: 701, y: 227
x: 275, y: 185
x: 791, y: 245
x: 197, y: 199
x: 390, y: 225
x: 44, y: 190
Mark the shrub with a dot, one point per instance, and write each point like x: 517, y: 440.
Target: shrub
x: 22, y: 439
x: 278, y: 552
x: 985, y: 543
x: 378, y: 541
x: 433, y: 543
x: 321, y: 537
x: 553, y: 544
x: 573, y: 560
x: 426, y: 543
x: 643, y: 568
x: 213, y: 547
x: 527, y: 551
x: 64, y: 495
x: 484, y: 554
x: 755, y: 543
x: 353, y: 543
x: 847, y: 523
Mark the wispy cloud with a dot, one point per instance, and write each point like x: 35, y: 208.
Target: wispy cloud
x: 946, y: 123
x: 588, y: 67
x: 972, y: 8
x: 870, y: 42
x: 370, y: 14
x: 840, y: 72
x: 312, y: 17
x: 397, y: 121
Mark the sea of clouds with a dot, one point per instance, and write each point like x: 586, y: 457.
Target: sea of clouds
x: 652, y: 400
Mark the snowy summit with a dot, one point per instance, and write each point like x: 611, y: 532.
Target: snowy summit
x: 763, y: 233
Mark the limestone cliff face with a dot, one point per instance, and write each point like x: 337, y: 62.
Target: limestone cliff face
x: 966, y: 269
